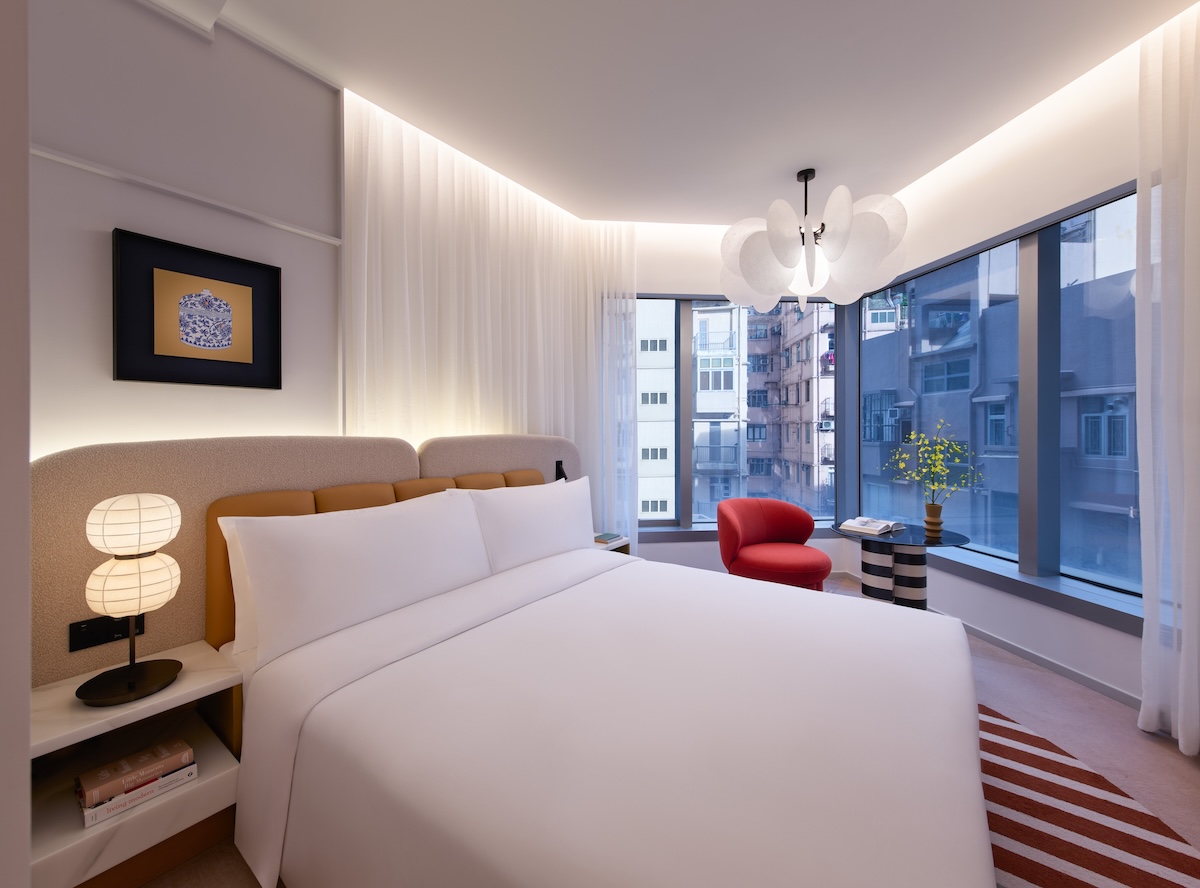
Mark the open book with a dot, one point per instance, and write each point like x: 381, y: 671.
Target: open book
x: 870, y: 525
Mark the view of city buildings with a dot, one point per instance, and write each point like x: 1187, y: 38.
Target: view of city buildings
x: 760, y: 418
x: 762, y: 413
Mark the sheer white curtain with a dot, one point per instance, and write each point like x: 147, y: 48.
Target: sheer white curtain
x: 473, y: 306
x: 1168, y: 379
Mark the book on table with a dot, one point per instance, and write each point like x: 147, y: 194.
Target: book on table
x: 153, y: 787
x: 607, y: 537
x: 120, y: 776
x: 874, y: 526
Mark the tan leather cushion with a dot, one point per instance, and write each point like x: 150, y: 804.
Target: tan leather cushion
x: 420, y: 486
x: 523, y: 478
x: 479, y: 481
x: 354, y: 496
x: 219, y: 615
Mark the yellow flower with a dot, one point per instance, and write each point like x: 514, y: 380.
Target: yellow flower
x: 934, y: 459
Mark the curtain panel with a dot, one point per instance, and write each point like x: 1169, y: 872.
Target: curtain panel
x: 1167, y: 314
x: 471, y: 305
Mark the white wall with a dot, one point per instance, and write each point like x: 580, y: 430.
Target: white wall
x: 14, y: 444
x: 246, y: 151
x: 1079, y: 143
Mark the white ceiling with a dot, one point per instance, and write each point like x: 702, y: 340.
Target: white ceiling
x: 701, y: 111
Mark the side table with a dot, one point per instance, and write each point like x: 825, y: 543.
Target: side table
x: 894, y: 564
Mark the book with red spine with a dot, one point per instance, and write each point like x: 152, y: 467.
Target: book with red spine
x: 119, y: 777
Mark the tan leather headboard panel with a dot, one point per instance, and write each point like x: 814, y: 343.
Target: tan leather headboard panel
x: 523, y: 478
x: 218, y: 626
x: 354, y: 496
x: 420, y: 486
x: 479, y: 481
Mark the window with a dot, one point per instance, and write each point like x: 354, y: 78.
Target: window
x: 997, y: 424
x: 654, y: 397
x: 883, y: 318
x: 757, y: 331
x: 1100, y: 532
x: 733, y: 439
x: 879, y: 417
x: 914, y: 375
x: 948, y: 376
x: 957, y: 341
x: 714, y: 376
x: 654, y: 453
x: 808, y: 433
x: 651, y: 345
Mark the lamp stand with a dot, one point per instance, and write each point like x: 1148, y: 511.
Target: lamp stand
x: 131, y: 682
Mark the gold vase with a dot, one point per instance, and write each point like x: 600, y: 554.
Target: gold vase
x: 933, y: 521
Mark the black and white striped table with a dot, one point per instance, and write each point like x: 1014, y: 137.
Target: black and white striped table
x: 893, y: 564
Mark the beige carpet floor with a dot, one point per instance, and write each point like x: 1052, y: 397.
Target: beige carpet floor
x: 1094, y: 728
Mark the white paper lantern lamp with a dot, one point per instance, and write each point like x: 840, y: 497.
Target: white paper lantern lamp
x: 136, y: 580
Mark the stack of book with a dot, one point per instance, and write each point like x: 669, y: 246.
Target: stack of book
x: 118, y: 786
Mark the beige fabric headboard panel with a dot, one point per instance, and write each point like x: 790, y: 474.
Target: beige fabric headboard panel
x: 467, y: 454
x: 194, y: 472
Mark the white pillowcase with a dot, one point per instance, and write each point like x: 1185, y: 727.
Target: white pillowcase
x: 306, y: 576
x: 522, y: 524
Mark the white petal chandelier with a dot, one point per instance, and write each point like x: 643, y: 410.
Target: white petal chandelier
x: 852, y: 249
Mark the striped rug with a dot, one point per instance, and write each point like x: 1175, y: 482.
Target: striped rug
x: 1057, y: 823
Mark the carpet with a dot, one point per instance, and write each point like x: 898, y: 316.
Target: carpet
x: 1056, y: 823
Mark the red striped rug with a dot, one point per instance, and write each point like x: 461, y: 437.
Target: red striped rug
x: 1057, y: 823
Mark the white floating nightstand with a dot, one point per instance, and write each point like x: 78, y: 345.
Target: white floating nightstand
x: 68, y: 737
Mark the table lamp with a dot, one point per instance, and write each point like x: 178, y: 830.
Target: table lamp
x: 138, y: 578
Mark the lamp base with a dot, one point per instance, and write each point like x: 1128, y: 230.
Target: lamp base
x: 130, y: 682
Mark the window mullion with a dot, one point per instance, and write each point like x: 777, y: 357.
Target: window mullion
x: 1039, y: 404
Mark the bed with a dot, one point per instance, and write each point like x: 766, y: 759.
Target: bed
x: 460, y: 689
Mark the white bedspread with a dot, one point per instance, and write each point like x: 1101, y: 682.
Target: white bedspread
x: 598, y: 720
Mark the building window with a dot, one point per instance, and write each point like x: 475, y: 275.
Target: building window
x: 947, y: 376
x: 756, y: 431
x: 758, y: 363
x: 758, y: 465
x: 997, y: 424
x: 716, y: 374
x: 654, y: 345
x: 757, y: 331
x: 756, y: 398
x: 654, y: 453
x: 654, y: 397
x: 808, y: 433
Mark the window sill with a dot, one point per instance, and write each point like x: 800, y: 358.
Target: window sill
x: 1105, y: 607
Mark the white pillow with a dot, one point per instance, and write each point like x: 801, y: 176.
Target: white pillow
x: 522, y: 524
x: 245, y: 614
x: 307, y: 576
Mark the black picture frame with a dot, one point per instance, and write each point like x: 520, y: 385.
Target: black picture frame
x: 143, y: 266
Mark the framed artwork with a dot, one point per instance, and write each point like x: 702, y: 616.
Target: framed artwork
x: 181, y: 314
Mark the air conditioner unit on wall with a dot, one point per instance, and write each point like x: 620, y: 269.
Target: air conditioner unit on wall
x: 893, y: 413
x: 825, y: 425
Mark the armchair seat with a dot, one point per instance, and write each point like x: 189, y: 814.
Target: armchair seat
x: 765, y: 539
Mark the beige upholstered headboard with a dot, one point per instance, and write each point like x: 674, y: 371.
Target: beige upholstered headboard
x: 195, y: 472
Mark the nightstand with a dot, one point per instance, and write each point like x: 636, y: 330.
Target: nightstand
x: 620, y: 544
x: 68, y: 737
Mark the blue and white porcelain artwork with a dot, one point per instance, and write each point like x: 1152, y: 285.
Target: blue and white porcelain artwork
x: 205, y: 320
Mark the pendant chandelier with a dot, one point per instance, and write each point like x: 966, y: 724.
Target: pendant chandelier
x: 853, y: 248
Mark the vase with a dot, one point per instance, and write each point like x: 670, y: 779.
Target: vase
x: 933, y: 521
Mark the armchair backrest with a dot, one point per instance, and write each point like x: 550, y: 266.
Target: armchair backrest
x: 745, y: 521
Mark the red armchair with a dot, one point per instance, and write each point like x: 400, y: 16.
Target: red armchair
x: 765, y: 539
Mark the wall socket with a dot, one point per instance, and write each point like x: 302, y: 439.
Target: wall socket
x: 101, y: 630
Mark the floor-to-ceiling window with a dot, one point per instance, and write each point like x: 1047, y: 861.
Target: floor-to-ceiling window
x: 754, y: 411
